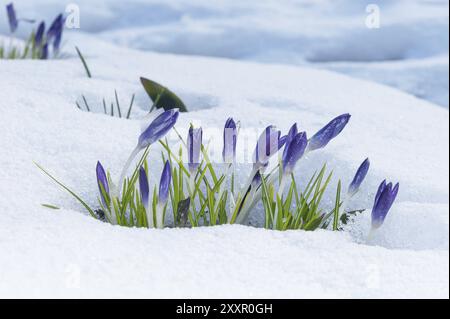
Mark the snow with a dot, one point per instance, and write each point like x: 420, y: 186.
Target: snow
x: 319, y: 33
x: 65, y: 253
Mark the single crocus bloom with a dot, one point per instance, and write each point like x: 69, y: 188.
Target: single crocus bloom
x: 229, y: 141
x: 144, y: 188
x: 293, y: 151
x: 164, y: 184
x: 39, y: 37
x: 102, y: 182
x: 54, y: 33
x: 12, y: 18
x: 269, y: 143
x: 384, y: 199
x: 359, y: 178
x: 328, y: 132
x: 158, y: 128
x: 194, y: 146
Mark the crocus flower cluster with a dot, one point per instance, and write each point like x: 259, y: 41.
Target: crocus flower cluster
x: 132, y: 203
x: 194, y: 146
x: 40, y: 41
x: 12, y: 18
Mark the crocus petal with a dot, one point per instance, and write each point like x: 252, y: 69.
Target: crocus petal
x: 102, y: 182
x: 293, y: 151
x: 328, y: 132
x: 229, y: 141
x: 194, y: 146
x: 12, y: 18
x: 164, y: 183
x: 158, y: 128
x: 359, y: 177
x: 268, y: 144
x: 143, y: 186
x: 38, y: 38
x: 293, y: 131
x: 55, y: 27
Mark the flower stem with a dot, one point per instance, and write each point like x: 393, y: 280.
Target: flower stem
x: 133, y: 154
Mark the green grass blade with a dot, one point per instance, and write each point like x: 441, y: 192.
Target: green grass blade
x: 78, y: 198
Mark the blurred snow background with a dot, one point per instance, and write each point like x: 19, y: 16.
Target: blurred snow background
x: 408, y: 51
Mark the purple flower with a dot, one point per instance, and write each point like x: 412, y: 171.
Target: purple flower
x: 295, y: 148
x: 269, y: 143
x: 54, y: 33
x: 39, y: 37
x: 12, y: 18
x: 44, y: 52
x: 143, y: 186
x: 384, y: 199
x: 164, y: 183
x: 102, y: 182
x: 194, y: 146
x: 359, y: 177
x: 229, y: 141
x: 158, y: 128
x: 328, y: 132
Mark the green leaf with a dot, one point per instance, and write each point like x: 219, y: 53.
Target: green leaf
x: 50, y: 206
x: 78, y: 198
x: 162, y: 96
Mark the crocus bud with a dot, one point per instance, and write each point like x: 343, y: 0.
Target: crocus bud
x: 12, y: 17
x: 359, y: 178
x: 269, y: 143
x: 144, y: 187
x: 39, y: 37
x: 158, y: 128
x: 384, y: 199
x: 328, y: 132
x: 194, y: 146
x: 102, y: 182
x: 164, y: 184
x: 229, y: 141
x: 293, y: 151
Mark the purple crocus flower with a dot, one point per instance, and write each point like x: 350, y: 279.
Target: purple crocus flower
x: 229, y: 141
x: 194, y: 146
x: 359, y: 178
x: 12, y: 18
x: 384, y: 199
x: 102, y: 182
x: 143, y: 186
x: 269, y: 143
x: 158, y: 128
x: 293, y: 151
x: 328, y: 132
x: 39, y: 37
x: 164, y: 183
x: 54, y: 33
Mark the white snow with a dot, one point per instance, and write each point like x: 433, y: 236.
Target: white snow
x: 65, y: 253
x: 310, y: 32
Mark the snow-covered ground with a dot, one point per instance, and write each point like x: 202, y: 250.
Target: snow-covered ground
x: 65, y: 253
x: 319, y: 33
